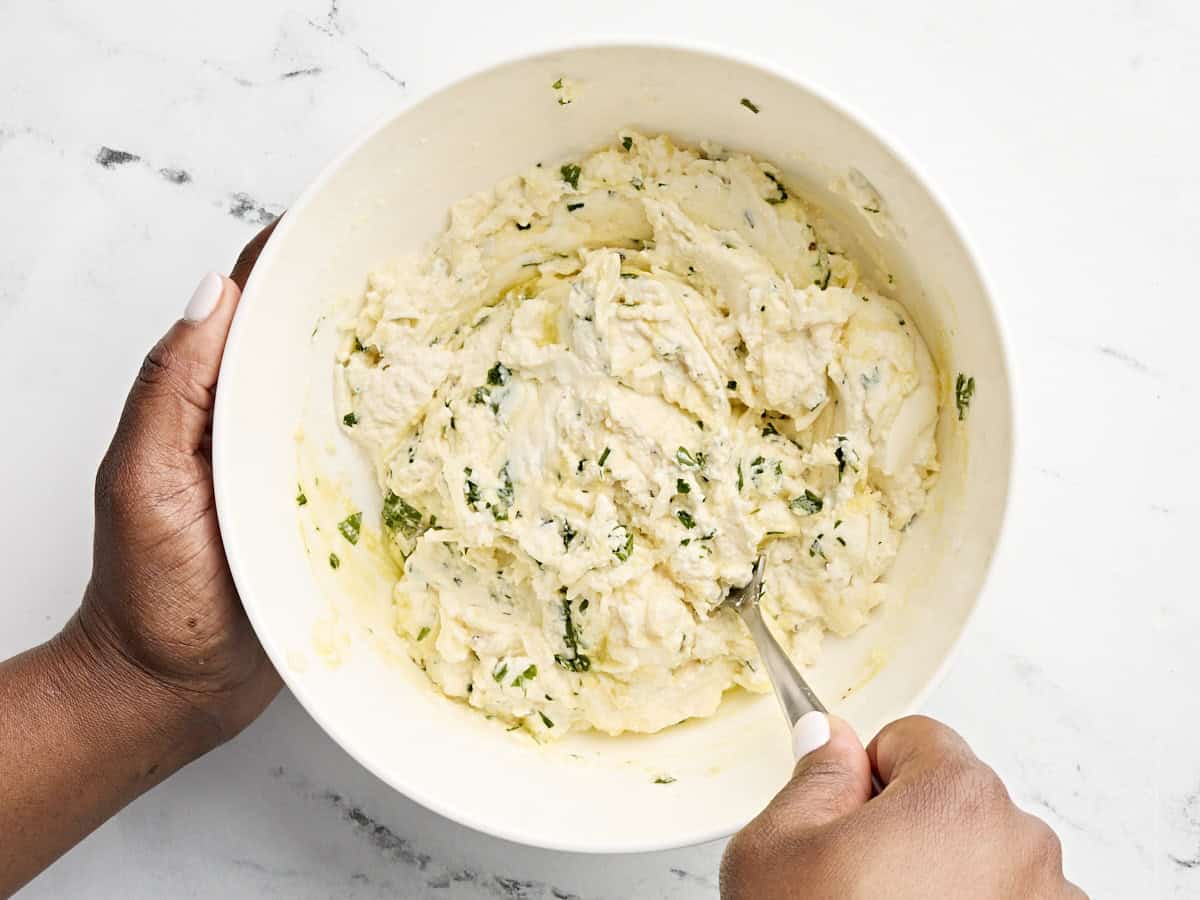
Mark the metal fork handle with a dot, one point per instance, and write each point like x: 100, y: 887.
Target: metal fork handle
x: 795, y: 696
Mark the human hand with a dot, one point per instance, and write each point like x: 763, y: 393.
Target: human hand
x: 161, y: 608
x: 944, y: 826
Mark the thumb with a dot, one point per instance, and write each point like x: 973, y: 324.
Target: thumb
x: 172, y: 398
x: 832, y: 776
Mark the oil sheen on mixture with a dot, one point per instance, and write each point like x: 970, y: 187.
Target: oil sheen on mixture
x: 596, y: 398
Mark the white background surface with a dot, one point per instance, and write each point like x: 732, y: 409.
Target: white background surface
x: 1063, y: 134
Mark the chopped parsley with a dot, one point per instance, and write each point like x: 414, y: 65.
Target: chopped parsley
x: 624, y: 542
x: 749, y: 104
x: 568, y: 534
x: 828, y: 273
x: 398, y: 515
x: 301, y: 497
x: 664, y: 779
x: 815, y: 547
x: 570, y: 174
x: 470, y: 489
x: 603, y: 457
x: 358, y: 345
x: 498, y: 374
x: 769, y: 429
x: 741, y: 480
x: 783, y: 194
x: 350, y: 419
x: 841, y: 540
x: 504, y: 496
x: 686, y: 518
x: 351, y: 527
x: 499, y: 673
x: 529, y: 674
x: 334, y: 562
x: 558, y: 84
x: 545, y: 719
x: 573, y: 660
x: 637, y: 183
x: 682, y: 487
x: 689, y: 460
x: 810, y: 503
x: 731, y: 385
x: 571, y: 207
x: 964, y: 390
x: 423, y: 633
x: 627, y: 142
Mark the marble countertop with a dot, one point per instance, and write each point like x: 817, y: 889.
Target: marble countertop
x: 142, y: 144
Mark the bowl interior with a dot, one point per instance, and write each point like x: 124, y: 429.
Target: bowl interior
x: 327, y: 631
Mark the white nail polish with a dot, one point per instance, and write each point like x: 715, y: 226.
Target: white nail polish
x: 810, y: 733
x: 204, y: 298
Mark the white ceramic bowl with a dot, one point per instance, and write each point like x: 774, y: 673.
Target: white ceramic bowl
x: 388, y: 194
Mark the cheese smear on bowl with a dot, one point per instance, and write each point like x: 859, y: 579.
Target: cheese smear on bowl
x: 596, y: 398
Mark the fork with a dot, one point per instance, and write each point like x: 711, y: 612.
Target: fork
x: 795, y: 696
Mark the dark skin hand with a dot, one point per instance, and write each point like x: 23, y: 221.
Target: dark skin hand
x: 159, y: 665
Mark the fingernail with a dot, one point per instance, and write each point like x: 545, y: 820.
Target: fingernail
x: 204, y: 298
x: 810, y: 733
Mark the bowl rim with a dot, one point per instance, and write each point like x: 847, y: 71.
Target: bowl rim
x: 224, y: 502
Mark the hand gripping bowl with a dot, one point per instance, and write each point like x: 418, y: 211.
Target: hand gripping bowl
x: 326, y: 630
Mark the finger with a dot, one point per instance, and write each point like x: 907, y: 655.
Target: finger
x: 910, y: 747
x: 832, y: 776
x: 249, y: 255
x: 171, y: 401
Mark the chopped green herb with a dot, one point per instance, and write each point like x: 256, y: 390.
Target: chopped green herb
x: 351, y: 526
x: 682, y: 487
x: 573, y: 660
x: 686, y: 518
x: 624, y: 538
x: 636, y: 182
x: 809, y: 503
x: 498, y: 674
x: 664, y: 779
x: 689, y: 460
x: 870, y: 209
x: 350, y: 419
x: 470, y: 489
x: 529, y: 674
x: 741, y: 481
x: 828, y: 273
x: 627, y: 142
x: 603, y: 457
x: 685, y: 542
x: 398, y: 515
x: 498, y: 374
x: 545, y: 719
x: 301, y: 498
x: 841, y: 540
x: 628, y: 274
x: 526, y: 227
x: 783, y: 194
x: 571, y: 207
x: 769, y: 430
x: 358, y: 345
x: 815, y: 547
x: 423, y: 633
x: 334, y: 562
x: 570, y: 174
x: 568, y: 534
x: 732, y: 385
x: 749, y: 105
x: 964, y: 390
x: 557, y: 85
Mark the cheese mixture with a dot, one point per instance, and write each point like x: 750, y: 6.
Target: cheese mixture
x: 598, y: 396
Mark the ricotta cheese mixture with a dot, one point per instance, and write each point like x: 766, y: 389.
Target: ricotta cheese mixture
x: 596, y: 398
